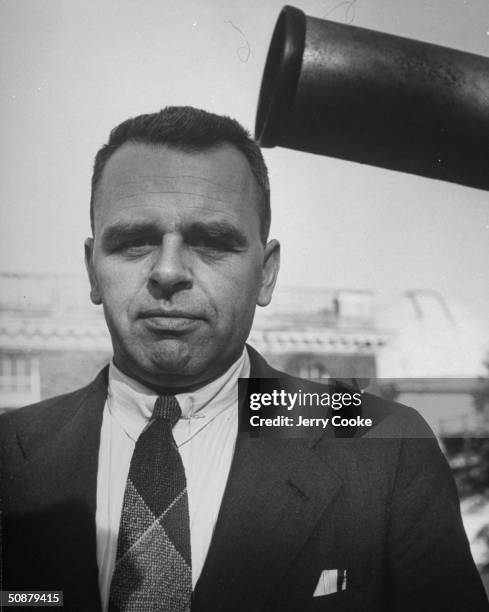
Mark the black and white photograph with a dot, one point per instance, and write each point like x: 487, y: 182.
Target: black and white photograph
x: 244, y: 305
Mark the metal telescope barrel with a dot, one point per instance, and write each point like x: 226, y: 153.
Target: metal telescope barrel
x: 377, y: 99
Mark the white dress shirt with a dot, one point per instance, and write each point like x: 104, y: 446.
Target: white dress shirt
x: 205, y: 436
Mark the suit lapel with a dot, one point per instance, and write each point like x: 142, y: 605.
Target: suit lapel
x: 270, y: 506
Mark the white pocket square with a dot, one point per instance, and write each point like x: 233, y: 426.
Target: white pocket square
x: 330, y: 581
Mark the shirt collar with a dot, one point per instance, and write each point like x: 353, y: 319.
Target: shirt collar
x: 131, y: 404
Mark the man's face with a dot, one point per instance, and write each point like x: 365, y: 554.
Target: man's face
x: 177, y: 260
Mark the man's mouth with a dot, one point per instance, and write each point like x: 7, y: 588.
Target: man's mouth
x: 170, y: 320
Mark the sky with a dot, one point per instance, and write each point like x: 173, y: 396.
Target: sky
x: 70, y: 70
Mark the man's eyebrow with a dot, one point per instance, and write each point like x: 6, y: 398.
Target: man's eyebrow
x: 219, y: 230
x: 113, y: 234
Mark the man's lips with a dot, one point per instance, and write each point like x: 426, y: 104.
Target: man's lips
x: 169, y: 313
x: 170, y: 320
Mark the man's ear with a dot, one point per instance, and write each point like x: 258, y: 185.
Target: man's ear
x: 271, y: 265
x: 94, y: 290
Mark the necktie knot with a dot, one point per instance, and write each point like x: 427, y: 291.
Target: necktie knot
x: 167, y: 407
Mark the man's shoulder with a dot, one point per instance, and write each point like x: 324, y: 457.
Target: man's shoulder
x: 47, y: 415
x: 393, y: 419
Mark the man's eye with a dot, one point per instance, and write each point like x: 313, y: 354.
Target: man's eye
x: 136, y: 246
x: 211, y: 243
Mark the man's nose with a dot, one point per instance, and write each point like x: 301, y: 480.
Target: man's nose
x: 171, y: 271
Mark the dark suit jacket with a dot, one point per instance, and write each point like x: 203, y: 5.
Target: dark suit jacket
x: 386, y: 510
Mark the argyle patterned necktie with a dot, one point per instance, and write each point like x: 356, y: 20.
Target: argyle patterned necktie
x: 153, y: 569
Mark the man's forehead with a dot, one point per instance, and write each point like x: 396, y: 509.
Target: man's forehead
x: 130, y: 185
x: 142, y: 181
x: 219, y: 172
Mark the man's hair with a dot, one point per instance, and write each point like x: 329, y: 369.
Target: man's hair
x: 187, y: 129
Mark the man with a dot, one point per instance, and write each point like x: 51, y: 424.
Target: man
x: 137, y: 493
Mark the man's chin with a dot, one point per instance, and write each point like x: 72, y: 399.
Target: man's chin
x: 174, y: 363
x: 169, y: 357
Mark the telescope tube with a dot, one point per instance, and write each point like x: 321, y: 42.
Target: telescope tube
x: 377, y: 99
